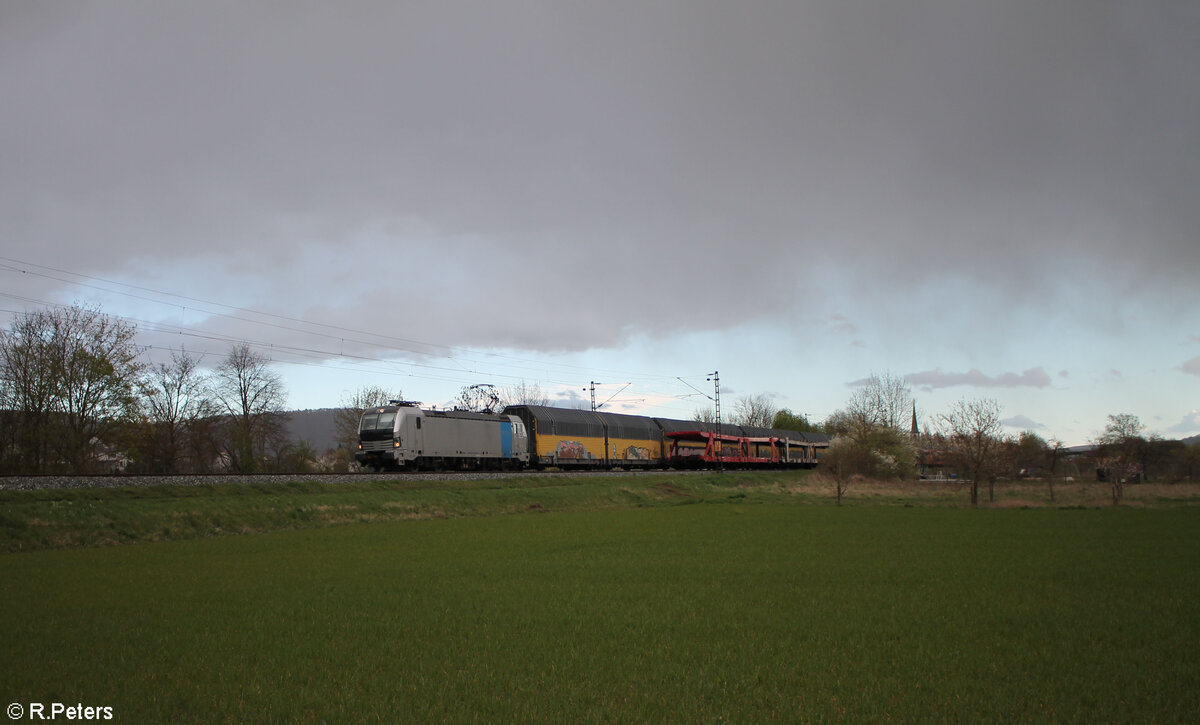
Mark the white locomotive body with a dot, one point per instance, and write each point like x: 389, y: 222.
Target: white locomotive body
x: 403, y: 436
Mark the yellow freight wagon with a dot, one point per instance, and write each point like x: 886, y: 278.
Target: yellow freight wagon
x: 571, y: 438
x: 563, y: 437
x: 583, y: 438
x: 633, y: 441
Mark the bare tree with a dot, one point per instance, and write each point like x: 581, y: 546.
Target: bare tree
x: 71, y: 374
x: 972, y: 428
x: 28, y: 390
x: 1123, y: 448
x: 177, y: 401
x: 523, y: 393
x: 1054, y: 449
x: 99, y: 371
x: 756, y: 411
x: 883, y: 400
x: 253, y: 395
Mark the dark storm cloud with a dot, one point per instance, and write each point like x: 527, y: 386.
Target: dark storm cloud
x: 649, y: 155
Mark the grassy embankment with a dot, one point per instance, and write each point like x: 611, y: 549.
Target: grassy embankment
x: 68, y: 518
x: 616, y: 608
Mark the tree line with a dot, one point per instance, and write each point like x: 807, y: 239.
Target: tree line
x: 876, y: 435
x: 77, y: 397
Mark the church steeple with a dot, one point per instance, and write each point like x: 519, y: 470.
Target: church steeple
x: 915, y: 431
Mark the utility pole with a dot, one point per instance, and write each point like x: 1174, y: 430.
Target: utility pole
x: 592, y: 387
x: 716, y: 381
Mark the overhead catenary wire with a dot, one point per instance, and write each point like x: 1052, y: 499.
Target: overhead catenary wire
x: 468, y: 368
x: 318, y: 358
x: 337, y: 332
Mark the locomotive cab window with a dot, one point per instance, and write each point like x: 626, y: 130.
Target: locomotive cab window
x: 377, y: 421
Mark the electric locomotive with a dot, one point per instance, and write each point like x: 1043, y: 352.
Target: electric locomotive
x: 403, y: 436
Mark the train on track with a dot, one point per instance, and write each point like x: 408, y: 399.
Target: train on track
x: 403, y: 436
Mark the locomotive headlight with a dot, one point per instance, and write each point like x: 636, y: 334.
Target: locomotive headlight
x: 360, y: 446
x: 395, y: 444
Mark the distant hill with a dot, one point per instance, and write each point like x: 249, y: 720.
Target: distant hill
x: 316, y: 427
x: 1194, y: 440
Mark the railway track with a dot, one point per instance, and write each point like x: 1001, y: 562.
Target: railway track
x: 32, y: 483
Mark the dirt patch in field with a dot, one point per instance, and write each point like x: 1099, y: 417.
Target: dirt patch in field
x: 670, y: 490
x: 398, y: 505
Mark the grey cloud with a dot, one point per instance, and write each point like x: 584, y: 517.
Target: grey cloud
x: 1191, y: 367
x: 933, y: 379
x: 1188, y: 424
x: 572, y: 399
x: 840, y: 324
x: 1022, y: 422
x: 646, y: 146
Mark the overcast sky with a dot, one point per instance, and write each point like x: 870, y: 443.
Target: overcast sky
x: 993, y: 200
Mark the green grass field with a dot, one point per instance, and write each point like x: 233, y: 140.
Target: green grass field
x: 742, y: 606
